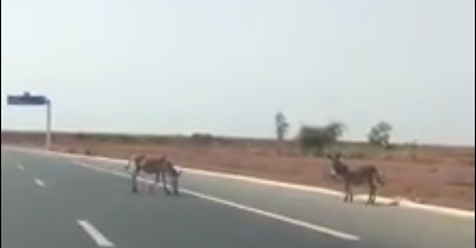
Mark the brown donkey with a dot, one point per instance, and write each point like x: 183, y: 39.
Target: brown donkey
x: 367, y: 174
x: 160, y: 167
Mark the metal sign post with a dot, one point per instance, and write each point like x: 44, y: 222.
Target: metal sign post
x: 48, y: 125
x: 29, y: 100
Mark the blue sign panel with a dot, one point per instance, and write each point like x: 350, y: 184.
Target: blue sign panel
x: 27, y: 99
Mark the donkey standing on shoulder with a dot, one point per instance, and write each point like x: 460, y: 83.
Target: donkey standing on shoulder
x: 366, y: 174
x: 161, y: 167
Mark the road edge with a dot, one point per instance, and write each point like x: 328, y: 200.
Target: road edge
x: 397, y: 201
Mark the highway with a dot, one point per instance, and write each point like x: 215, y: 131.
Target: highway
x: 50, y: 202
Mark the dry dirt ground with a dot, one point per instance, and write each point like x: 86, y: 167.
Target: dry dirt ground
x: 436, y: 175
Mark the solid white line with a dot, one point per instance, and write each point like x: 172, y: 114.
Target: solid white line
x: 20, y: 167
x: 95, y: 234
x: 283, y: 218
x: 39, y: 182
x: 275, y: 216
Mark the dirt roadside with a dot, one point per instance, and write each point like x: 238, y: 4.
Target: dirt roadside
x: 443, y: 181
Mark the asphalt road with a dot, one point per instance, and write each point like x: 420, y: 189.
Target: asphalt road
x: 54, y: 202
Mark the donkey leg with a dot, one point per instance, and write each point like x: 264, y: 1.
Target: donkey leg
x: 351, y: 195
x: 372, y: 194
x: 369, y: 200
x: 347, y: 192
x: 164, y: 184
x: 175, y: 186
x: 374, y: 197
x: 154, y: 184
x: 134, y: 182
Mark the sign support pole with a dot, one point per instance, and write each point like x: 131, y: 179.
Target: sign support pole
x: 48, y: 125
x: 28, y: 100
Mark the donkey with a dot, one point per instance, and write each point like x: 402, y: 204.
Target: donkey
x: 160, y: 167
x: 367, y: 174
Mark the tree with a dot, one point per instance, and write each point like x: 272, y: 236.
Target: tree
x: 202, y: 138
x: 282, y: 126
x: 380, y: 134
x: 317, y: 138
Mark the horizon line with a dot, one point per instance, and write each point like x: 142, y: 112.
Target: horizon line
x: 216, y: 135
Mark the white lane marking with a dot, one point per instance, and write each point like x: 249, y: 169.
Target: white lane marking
x: 95, y: 234
x: 283, y: 218
x: 39, y: 182
x: 20, y: 167
x: 275, y: 216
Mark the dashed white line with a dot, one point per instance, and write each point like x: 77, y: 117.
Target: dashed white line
x: 39, y: 182
x: 95, y: 234
x: 20, y: 167
x: 289, y: 220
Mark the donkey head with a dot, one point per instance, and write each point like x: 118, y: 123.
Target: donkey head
x: 336, y: 167
x: 171, y: 168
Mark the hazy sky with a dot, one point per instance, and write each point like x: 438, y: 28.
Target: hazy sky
x: 226, y: 66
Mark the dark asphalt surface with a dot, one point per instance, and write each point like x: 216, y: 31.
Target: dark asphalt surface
x: 34, y: 216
